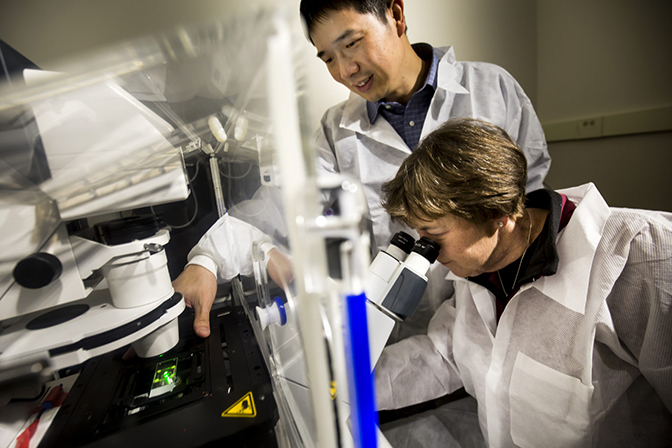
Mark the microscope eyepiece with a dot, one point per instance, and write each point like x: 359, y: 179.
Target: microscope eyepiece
x: 427, y: 248
x: 403, y: 241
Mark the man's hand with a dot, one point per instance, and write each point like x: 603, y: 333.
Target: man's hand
x: 279, y: 268
x: 199, y: 287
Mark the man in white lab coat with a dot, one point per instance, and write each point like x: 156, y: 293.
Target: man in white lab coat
x: 401, y: 92
x: 561, y: 322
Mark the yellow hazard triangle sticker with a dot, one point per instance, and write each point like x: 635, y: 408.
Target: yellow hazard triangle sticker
x: 242, y: 408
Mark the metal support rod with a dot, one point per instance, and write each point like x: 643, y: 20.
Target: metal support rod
x: 217, y: 185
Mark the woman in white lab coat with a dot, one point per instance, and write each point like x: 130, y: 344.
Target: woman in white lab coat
x: 561, y: 322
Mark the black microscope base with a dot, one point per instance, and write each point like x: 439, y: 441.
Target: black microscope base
x: 223, y: 394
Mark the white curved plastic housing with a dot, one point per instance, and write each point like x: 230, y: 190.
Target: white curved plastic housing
x: 396, y: 252
x: 381, y: 271
x: 138, y: 279
x: 159, y: 341
x: 418, y: 264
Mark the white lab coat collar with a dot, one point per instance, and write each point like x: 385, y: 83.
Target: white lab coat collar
x: 447, y: 76
x: 356, y: 119
x: 448, y: 85
x: 580, y: 239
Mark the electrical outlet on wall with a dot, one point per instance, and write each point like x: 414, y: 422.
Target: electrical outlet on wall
x: 589, y: 127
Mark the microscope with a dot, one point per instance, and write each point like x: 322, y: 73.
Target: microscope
x: 396, y: 283
x: 397, y: 278
x: 80, y: 275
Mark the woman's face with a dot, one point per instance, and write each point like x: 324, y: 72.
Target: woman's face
x: 467, y: 249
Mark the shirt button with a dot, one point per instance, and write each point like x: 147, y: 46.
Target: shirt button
x: 387, y: 106
x: 411, y: 123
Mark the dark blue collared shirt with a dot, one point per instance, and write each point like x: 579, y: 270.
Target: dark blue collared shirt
x: 408, y: 120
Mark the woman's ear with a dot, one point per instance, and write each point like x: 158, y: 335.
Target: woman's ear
x: 501, y: 222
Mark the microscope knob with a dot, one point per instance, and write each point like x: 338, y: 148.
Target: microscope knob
x: 37, y: 270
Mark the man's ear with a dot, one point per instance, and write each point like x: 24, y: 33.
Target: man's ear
x: 397, y: 10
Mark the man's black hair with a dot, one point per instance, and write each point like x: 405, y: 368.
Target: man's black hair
x: 317, y: 10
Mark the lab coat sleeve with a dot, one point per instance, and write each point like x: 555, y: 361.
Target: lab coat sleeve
x: 326, y: 161
x: 495, y: 96
x: 532, y: 141
x: 226, y: 248
x: 421, y: 367
x: 324, y: 141
x: 641, y: 303
x: 523, y: 126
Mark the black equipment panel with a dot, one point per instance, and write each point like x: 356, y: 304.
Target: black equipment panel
x: 109, y: 405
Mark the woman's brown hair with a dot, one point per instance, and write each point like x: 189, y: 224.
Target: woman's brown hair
x: 466, y: 167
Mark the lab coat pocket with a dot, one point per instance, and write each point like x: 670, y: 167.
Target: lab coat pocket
x: 548, y: 408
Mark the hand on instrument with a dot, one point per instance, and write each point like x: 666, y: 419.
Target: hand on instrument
x: 199, y: 287
x: 279, y: 268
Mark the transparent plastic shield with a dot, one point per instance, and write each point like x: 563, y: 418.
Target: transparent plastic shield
x: 113, y: 134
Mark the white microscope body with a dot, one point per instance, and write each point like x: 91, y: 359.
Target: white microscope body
x: 67, y: 296
x: 396, y: 282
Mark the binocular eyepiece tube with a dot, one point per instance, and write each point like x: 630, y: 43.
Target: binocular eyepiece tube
x: 398, y: 274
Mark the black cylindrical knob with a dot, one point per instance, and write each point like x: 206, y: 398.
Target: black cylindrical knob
x: 427, y: 248
x: 37, y: 270
x: 130, y: 228
x: 403, y: 241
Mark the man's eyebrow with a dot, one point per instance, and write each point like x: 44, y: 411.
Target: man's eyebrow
x: 345, y: 35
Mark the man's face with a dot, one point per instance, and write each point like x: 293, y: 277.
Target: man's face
x: 362, y: 53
